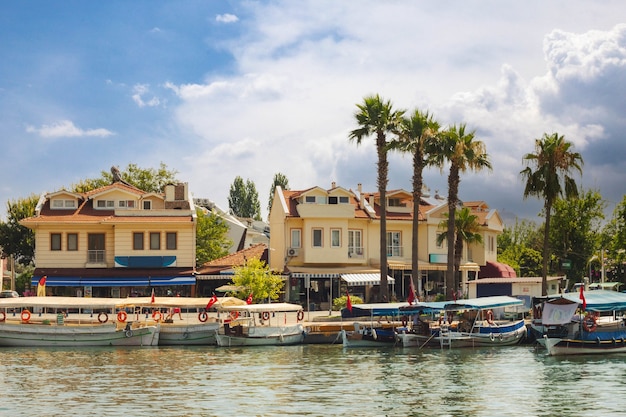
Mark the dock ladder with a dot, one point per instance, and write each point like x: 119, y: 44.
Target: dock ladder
x: 444, y: 336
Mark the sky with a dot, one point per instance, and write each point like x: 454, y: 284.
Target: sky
x: 220, y: 89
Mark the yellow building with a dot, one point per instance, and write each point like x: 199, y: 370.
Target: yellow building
x: 325, y: 238
x: 115, y: 241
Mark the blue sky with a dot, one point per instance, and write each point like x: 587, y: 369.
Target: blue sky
x: 219, y: 89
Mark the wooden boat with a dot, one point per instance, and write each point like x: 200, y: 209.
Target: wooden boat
x: 379, y: 331
x: 599, y: 330
x: 467, y: 323
x: 261, y: 325
x: 71, y: 321
x: 183, y: 320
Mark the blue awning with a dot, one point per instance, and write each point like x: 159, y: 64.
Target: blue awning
x: 52, y: 281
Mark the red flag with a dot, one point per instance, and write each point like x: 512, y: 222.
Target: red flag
x: 212, y: 301
x: 582, y: 297
x: 152, y: 298
x: 412, y: 297
x: 249, y: 299
x: 42, y: 280
x: 348, y: 302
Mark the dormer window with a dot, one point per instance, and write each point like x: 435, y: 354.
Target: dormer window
x: 147, y: 205
x: 109, y: 204
x: 126, y: 204
x: 63, y: 204
x: 333, y: 200
x: 309, y: 199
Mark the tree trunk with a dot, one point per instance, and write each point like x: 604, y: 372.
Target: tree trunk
x: 546, y: 251
x: 417, y: 197
x: 383, y: 167
x: 453, y: 188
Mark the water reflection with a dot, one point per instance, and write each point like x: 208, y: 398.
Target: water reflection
x: 307, y: 381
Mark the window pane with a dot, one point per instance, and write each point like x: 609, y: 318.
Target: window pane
x: 147, y: 205
x: 171, y: 240
x: 155, y: 240
x: 317, y: 238
x: 138, y: 241
x: 335, y: 238
x: 72, y: 241
x: 55, y: 241
x: 295, y: 238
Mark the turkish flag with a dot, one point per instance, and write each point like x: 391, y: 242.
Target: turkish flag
x: 348, y: 302
x: 212, y: 301
x: 582, y: 297
x: 249, y: 299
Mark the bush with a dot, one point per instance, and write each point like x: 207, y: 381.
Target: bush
x: 340, y: 302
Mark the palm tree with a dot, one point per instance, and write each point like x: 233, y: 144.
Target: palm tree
x: 377, y: 117
x: 467, y: 231
x: 464, y: 153
x: 553, y: 161
x: 417, y: 134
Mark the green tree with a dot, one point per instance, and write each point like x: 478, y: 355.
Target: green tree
x: 15, y: 239
x: 212, y: 240
x: 377, y: 117
x: 574, y: 231
x: 256, y: 278
x: 553, y: 161
x: 279, y: 180
x: 417, y: 135
x: 460, y: 148
x: 613, y: 240
x: 243, y: 199
x: 520, y: 247
x: 146, y: 179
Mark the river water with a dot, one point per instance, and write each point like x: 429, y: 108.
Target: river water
x: 308, y: 380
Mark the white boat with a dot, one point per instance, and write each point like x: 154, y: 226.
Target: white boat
x: 598, y: 330
x: 261, y: 325
x: 71, y: 321
x: 192, y: 324
x: 468, y: 323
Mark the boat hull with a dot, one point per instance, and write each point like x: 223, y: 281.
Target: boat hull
x: 594, y: 344
x: 192, y: 334
x: 368, y: 338
x: 40, y: 335
x: 262, y: 336
x: 501, y: 335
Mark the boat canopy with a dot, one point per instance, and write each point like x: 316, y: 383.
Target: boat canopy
x: 373, y: 309
x: 61, y: 302
x: 599, y: 300
x: 259, y: 308
x: 183, y: 302
x: 484, y: 303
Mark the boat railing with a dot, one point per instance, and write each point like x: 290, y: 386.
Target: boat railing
x: 444, y: 336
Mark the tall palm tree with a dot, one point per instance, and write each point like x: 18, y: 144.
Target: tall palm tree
x: 553, y: 161
x: 467, y: 231
x: 417, y: 134
x: 377, y: 117
x: 464, y: 153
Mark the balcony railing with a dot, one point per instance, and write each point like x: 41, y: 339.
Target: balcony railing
x: 96, y: 256
x: 355, y: 252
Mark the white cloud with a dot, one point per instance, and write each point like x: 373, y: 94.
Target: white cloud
x: 226, y: 18
x: 141, y: 90
x: 67, y: 129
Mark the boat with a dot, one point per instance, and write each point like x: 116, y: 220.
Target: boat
x: 183, y: 320
x: 261, y: 325
x: 591, y: 324
x: 474, y: 322
x: 379, y: 331
x: 70, y: 322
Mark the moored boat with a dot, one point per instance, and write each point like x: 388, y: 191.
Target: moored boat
x: 600, y: 329
x: 261, y: 325
x: 71, y: 321
x: 374, y: 326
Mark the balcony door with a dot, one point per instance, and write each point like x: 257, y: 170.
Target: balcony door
x: 95, y: 243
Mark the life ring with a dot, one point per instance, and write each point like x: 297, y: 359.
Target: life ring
x: 235, y: 314
x: 157, y: 316
x: 4, y: 316
x: 122, y: 316
x: 128, y: 333
x: 185, y: 335
x: 300, y: 315
x: 489, y: 316
x: 492, y: 337
x: 105, y: 319
x: 589, y: 323
x: 203, y: 316
x: 265, y: 315
x: 25, y: 315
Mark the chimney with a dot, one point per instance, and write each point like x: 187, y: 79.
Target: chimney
x: 333, y: 185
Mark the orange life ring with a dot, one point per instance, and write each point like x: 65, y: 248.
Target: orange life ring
x: 122, y: 316
x: 105, y: 319
x: 489, y: 316
x: 4, y: 316
x: 203, y: 316
x: 25, y: 315
x: 589, y: 323
x: 300, y: 315
x: 234, y: 315
x: 157, y: 315
x: 265, y: 315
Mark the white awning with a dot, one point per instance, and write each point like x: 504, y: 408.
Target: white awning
x: 364, y: 279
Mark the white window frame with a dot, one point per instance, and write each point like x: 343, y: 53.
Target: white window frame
x: 321, y: 237
x: 335, y: 238
x: 296, y: 238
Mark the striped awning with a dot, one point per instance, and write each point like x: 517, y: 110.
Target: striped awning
x: 364, y: 279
